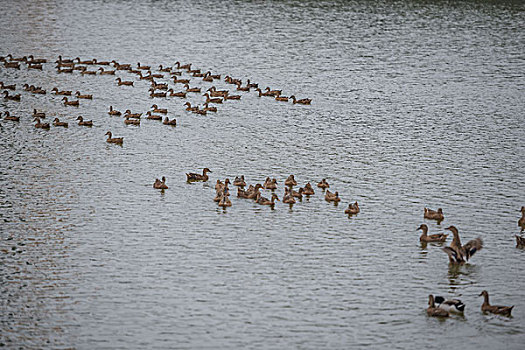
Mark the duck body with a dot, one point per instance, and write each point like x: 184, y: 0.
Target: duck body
x: 433, y: 214
x: 57, y: 122
x: 308, y: 190
x: 438, y: 237
x: 63, y: 92
x: 353, y: 209
x: 290, y: 181
x: 190, y: 177
x: 10, y: 117
x: 265, y: 201
x: 87, y: 97
x: 116, y: 140
x: 83, y: 122
x: 156, y: 109
x: 494, y: 309
x: 129, y: 121
x: 521, y: 221
x: 167, y: 121
x: 114, y: 112
x: 40, y: 125
x: 450, y: 305
x: 160, y: 185
x: 239, y: 181
x: 434, y: 311
x: 332, y: 197
x: 323, y: 184
x: 304, y: 101
x: 460, y: 254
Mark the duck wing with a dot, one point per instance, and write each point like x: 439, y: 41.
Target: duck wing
x: 453, y: 255
x: 472, y: 247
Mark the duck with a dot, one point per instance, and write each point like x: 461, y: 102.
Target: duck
x: 160, y: 185
x: 200, y: 111
x: 232, y: 97
x: 8, y: 87
x: 32, y: 59
x: 298, y: 193
x: 156, y: 109
x: 181, y: 94
x: 450, y: 305
x: 106, y: 72
x: 270, y: 184
x: 438, y: 237
x: 78, y: 61
x: 84, y: 71
x: 19, y: 59
x: 433, y: 214
x: 190, y: 89
x: 242, y: 88
x: 208, y: 108
x: 520, y: 241
x: 167, y: 121
x: 101, y: 63
x: 12, y: 118
x: 198, y: 177
x: 61, y: 60
x: 261, y: 93
x: 70, y: 103
x: 186, y: 66
x: 281, y: 98
x: 239, y: 181
x: 265, y: 201
x: 153, y: 94
x: 11, y: 97
x: 231, y: 80
x: 251, y: 193
x: 459, y: 254
x: 158, y: 86
x: 65, y: 71
x: 353, y: 208
x: 111, y: 139
x: 273, y: 92
x: 63, y: 92
x: 216, y: 93
x: 225, y: 201
x: 308, y: 190
x: 143, y: 67
x: 304, y: 101
x: 119, y: 66
x: 83, y: 122
x: 434, y: 311
x: 290, y: 181
x: 153, y: 116
x: 128, y: 113
x: 288, y: 198
x: 114, y: 111
x: 323, y: 184
x: 121, y: 82
x: 40, y: 125
x: 144, y: 77
x: 87, y: 97
x: 207, y: 77
x: 32, y: 65
x: 494, y: 309
x: 521, y: 221
x: 190, y: 108
x: 38, y: 114
x: 332, y: 197
x: 212, y: 100
x: 182, y: 81
x: 15, y: 65
x: 129, y: 121
x: 164, y: 69
x: 57, y: 122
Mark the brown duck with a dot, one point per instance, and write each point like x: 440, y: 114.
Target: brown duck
x: 494, y: 309
x: 438, y: 237
x: 460, y: 254
x: 434, y: 311
x: 198, y: 177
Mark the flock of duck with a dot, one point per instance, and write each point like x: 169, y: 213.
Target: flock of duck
x: 457, y: 253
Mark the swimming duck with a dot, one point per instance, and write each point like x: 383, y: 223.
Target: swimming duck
x: 156, y: 109
x: 111, y: 139
x: 152, y: 93
x: 61, y: 60
x: 8, y: 87
x: 225, y: 201
x: 143, y: 67
x: 323, y: 184
x: 186, y: 66
x: 290, y: 181
x: 239, y: 181
x: 31, y: 59
x: 433, y: 214
x: 101, y: 63
x: 288, y: 198
x: 198, y: 177
x: 182, y: 81
x: 167, y: 121
x: 164, y: 69
x: 40, y: 125
x: 19, y: 59
x: 119, y: 66
x: 128, y: 114
x: 190, y: 108
x: 153, y: 116
x: 121, y: 82
x: 304, y: 101
x: 113, y: 111
x: 181, y: 94
x: 11, y: 97
x: 11, y: 117
x: 57, y: 122
x: 83, y: 122
x: 270, y: 184
x: 212, y: 100
x: 217, y: 93
x: 353, y: 209
x: 308, y: 190
x: 521, y: 221
x: 434, y: 311
x: 129, y: 121
x: 158, y: 86
x: 242, y: 88
x: 106, y: 72
x: 494, y: 309
x: 264, y: 201
x: 65, y: 71
x: 459, y: 254
x: 273, y: 92
x: 87, y: 97
x: 84, y: 71
x: 332, y: 197
x: 297, y: 194
x: 251, y: 193
x: 450, y: 305
x: 15, y: 65
x: 38, y: 114
x: 232, y: 97
x: 78, y: 61
x: 262, y: 93
x: 63, y: 92
x: 520, y: 241
x: 190, y: 89
x: 281, y: 98
x: 70, y: 103
x: 160, y: 185
x: 207, y: 77
x: 208, y: 108
x: 438, y: 237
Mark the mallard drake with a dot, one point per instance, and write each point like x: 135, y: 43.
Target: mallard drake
x: 458, y: 254
x: 101, y: 63
x: 323, y: 184
x: 353, y: 209
x: 270, y: 184
x: 265, y: 201
x: 114, y: 111
x: 494, y: 309
x: 198, y: 177
x: 520, y: 241
x: 434, y: 311
x: 433, y: 214
x: 153, y: 116
x: 70, y: 103
x: 8, y: 87
x: 87, y: 97
x: 207, y: 108
x: 167, y: 121
x: 143, y: 67
x: 156, y: 109
x: 129, y: 121
x: 106, y: 72
x: 450, y: 305
x: 57, y: 122
x: 332, y: 197
x: 290, y: 181
x: 121, y: 82
x: 304, y: 101
x: 273, y: 92
x: 12, y: 118
x: 83, y: 122
x: 308, y: 190
x: 63, y: 92
x: 128, y: 113
x: 438, y: 237
x: 164, y: 69
x: 38, y: 114
x: 239, y: 181
x: 111, y: 139
x: 212, y: 100
x: 180, y: 94
x: 521, y: 221
x: 40, y: 125
x: 11, y: 97
x: 160, y: 185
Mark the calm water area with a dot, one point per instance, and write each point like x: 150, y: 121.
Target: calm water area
x: 414, y: 104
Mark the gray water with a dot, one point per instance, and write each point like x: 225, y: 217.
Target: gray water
x: 415, y: 104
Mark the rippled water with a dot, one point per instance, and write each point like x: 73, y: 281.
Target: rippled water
x: 415, y: 104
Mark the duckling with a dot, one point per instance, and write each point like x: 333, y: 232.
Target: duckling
x: 57, y: 122
x: 332, y: 197
x: 264, y: 201
x: 70, y: 103
x: 459, y: 254
x: 8, y: 87
x: 83, y: 122
x: 308, y: 190
x: 153, y: 116
x: 494, y: 309
x: 11, y: 97
x: 273, y: 92
x: 434, y: 311
x: 121, y: 82
x: 87, y: 97
x: 521, y: 221
x: 239, y: 181
x: 323, y: 184
x: 438, y: 237
x: 11, y: 117
x: 353, y: 209
x: 156, y: 109
x: 129, y: 121
x: 290, y: 181
x: 117, y: 140
x: 114, y: 112
x: 188, y: 89
x: 433, y: 215
x: 304, y: 101
x: 106, y: 72
x: 128, y: 113
x: 207, y: 108
x: 40, y: 125
x: 167, y: 121
x: 520, y: 241
x: 450, y: 305
x: 181, y: 94
x: 198, y: 177
x: 63, y: 92
x: 143, y: 67
x: 225, y: 202
x: 38, y: 114
x: 160, y: 185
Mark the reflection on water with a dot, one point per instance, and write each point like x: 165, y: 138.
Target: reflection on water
x: 415, y: 104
